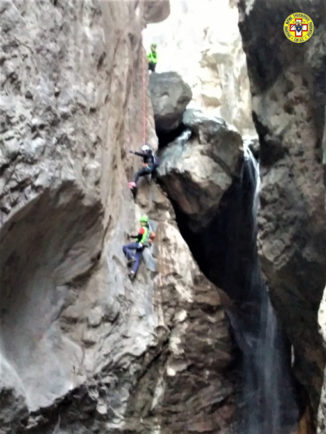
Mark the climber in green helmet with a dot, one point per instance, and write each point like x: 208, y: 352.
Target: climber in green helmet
x: 134, y: 251
x: 152, y: 58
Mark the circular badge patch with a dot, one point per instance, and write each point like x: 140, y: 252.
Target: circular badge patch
x: 298, y: 27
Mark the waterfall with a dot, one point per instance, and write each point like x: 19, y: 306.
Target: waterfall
x: 268, y: 402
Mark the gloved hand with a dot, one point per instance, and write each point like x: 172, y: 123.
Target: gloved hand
x: 131, y: 152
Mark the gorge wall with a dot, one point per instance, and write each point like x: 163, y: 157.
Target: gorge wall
x: 82, y: 348
x: 288, y: 97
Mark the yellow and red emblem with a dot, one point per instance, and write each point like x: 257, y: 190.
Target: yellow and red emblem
x: 298, y: 27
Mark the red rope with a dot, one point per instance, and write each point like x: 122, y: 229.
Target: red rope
x: 144, y: 96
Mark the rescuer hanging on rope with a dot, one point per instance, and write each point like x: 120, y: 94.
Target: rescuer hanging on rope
x: 134, y: 251
x: 150, y: 163
x: 152, y: 58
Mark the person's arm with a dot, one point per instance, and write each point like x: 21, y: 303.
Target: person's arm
x: 140, y: 154
x: 139, y: 236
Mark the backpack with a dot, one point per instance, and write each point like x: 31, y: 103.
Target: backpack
x: 151, y: 237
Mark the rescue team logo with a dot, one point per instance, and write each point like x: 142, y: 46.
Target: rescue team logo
x: 298, y: 27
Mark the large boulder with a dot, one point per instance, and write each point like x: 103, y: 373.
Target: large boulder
x: 170, y: 96
x: 196, y: 171
x: 156, y: 10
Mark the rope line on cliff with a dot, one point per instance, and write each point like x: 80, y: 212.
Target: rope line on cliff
x: 144, y: 94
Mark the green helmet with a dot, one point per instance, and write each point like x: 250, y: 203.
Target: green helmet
x: 143, y: 219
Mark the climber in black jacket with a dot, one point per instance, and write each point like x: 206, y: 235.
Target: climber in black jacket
x: 149, y: 164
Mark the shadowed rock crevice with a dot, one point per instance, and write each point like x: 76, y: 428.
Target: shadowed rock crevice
x: 229, y: 231
x: 166, y: 137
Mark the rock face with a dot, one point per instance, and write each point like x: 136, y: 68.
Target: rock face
x: 201, y: 41
x: 196, y: 173
x: 192, y: 370
x: 170, y: 96
x: 322, y: 405
x: 82, y: 348
x: 288, y: 86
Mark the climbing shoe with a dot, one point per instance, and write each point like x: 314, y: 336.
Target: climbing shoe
x: 130, y: 261
x: 131, y: 185
x: 131, y: 274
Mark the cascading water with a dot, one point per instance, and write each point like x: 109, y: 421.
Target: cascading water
x: 268, y: 399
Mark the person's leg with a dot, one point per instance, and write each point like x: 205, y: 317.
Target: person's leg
x: 151, y: 66
x: 134, y: 192
x: 154, y: 173
x: 150, y: 170
x: 141, y: 172
x: 128, y: 250
x: 138, y: 256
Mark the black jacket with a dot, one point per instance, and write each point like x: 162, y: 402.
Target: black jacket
x: 147, y: 157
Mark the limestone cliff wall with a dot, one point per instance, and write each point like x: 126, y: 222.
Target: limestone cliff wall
x: 288, y: 88
x: 82, y: 348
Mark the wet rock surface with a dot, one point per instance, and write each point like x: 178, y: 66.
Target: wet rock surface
x: 13, y: 405
x: 288, y: 86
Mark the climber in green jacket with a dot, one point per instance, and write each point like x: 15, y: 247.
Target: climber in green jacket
x: 152, y: 58
x: 134, y: 251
